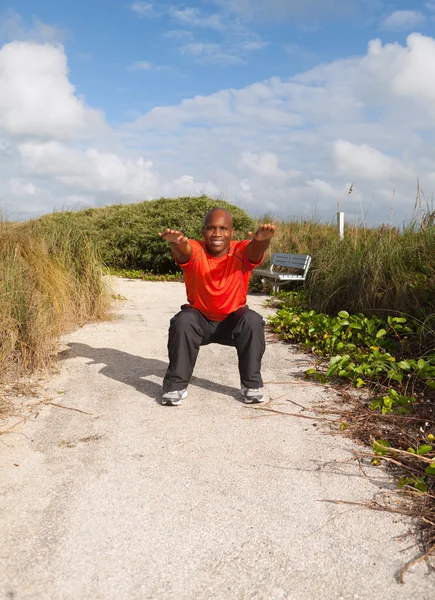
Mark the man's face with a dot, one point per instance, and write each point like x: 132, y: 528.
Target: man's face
x: 218, y: 232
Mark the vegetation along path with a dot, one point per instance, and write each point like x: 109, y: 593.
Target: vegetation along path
x: 121, y: 497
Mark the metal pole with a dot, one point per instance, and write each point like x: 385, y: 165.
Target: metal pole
x: 340, y: 225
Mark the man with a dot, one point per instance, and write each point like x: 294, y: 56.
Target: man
x: 217, y: 272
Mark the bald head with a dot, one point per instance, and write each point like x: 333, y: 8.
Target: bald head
x: 218, y: 212
x: 218, y: 232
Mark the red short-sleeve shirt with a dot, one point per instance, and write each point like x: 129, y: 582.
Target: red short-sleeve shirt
x: 217, y: 286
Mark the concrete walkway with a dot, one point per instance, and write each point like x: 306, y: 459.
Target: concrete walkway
x: 211, y: 500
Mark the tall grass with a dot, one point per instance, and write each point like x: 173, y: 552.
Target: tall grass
x: 380, y: 270
x: 48, y: 285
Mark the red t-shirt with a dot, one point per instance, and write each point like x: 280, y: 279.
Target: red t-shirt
x: 217, y: 286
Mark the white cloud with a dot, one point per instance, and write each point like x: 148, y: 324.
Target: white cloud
x: 19, y: 187
x: 278, y: 9
x: 23, y: 197
x: 362, y: 162
x: 89, y: 170
x: 224, y: 54
x: 357, y: 119
x: 264, y: 164
x: 254, y: 10
x: 188, y: 17
x: 143, y: 9
x: 295, y: 50
x: 324, y: 188
x: 192, y: 17
x: 178, y: 34
x: 264, y: 105
x: 403, y: 20
x: 390, y: 79
x: 280, y: 145
x: 141, y: 65
x: 37, y: 98
x: 56, y: 151
x: 415, y: 78
x: 251, y: 46
x: 210, y: 53
x: 144, y: 65
x: 237, y: 40
x: 13, y: 28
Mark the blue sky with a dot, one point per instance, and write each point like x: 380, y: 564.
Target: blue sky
x: 275, y: 106
x: 104, y: 39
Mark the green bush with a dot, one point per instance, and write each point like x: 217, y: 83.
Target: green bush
x: 127, y: 234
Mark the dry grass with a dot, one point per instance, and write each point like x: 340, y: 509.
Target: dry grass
x: 352, y: 417
x: 48, y: 285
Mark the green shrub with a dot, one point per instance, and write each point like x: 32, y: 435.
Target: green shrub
x: 127, y: 235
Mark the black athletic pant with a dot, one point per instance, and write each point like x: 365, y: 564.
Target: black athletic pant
x: 189, y: 329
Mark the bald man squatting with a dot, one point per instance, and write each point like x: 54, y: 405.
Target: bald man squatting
x: 217, y: 272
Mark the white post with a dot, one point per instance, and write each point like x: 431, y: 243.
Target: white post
x: 340, y: 225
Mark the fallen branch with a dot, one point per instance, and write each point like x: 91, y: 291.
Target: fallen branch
x: 289, y: 383
x: 69, y: 408
x: 281, y: 412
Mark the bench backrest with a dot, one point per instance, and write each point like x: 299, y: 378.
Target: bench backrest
x: 291, y: 261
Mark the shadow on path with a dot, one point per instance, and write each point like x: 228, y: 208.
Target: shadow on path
x: 133, y: 370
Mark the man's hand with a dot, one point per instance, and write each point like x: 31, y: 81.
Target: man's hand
x: 264, y: 232
x: 179, y: 244
x: 259, y: 241
x: 173, y: 236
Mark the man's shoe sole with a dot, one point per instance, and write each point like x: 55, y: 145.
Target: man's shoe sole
x: 254, y: 400
x: 173, y: 402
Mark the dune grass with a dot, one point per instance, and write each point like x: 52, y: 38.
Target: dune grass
x: 380, y: 270
x: 48, y: 285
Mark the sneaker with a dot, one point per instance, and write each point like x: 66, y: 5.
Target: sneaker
x: 174, y: 398
x: 252, y: 395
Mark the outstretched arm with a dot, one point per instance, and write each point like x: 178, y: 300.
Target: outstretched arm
x: 179, y: 244
x: 260, y: 242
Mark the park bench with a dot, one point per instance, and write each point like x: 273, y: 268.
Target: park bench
x: 284, y: 269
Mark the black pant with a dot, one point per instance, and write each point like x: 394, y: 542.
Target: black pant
x: 189, y: 330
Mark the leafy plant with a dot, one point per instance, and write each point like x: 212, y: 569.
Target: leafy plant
x: 419, y: 483
x: 381, y: 447
x: 361, y: 349
x: 393, y: 402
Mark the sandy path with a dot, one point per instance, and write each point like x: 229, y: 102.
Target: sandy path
x: 210, y: 500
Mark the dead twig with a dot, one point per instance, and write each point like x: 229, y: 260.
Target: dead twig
x: 288, y: 383
x: 296, y: 404
x: 69, y: 408
x: 14, y: 427
x: 378, y: 507
x: 281, y: 412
